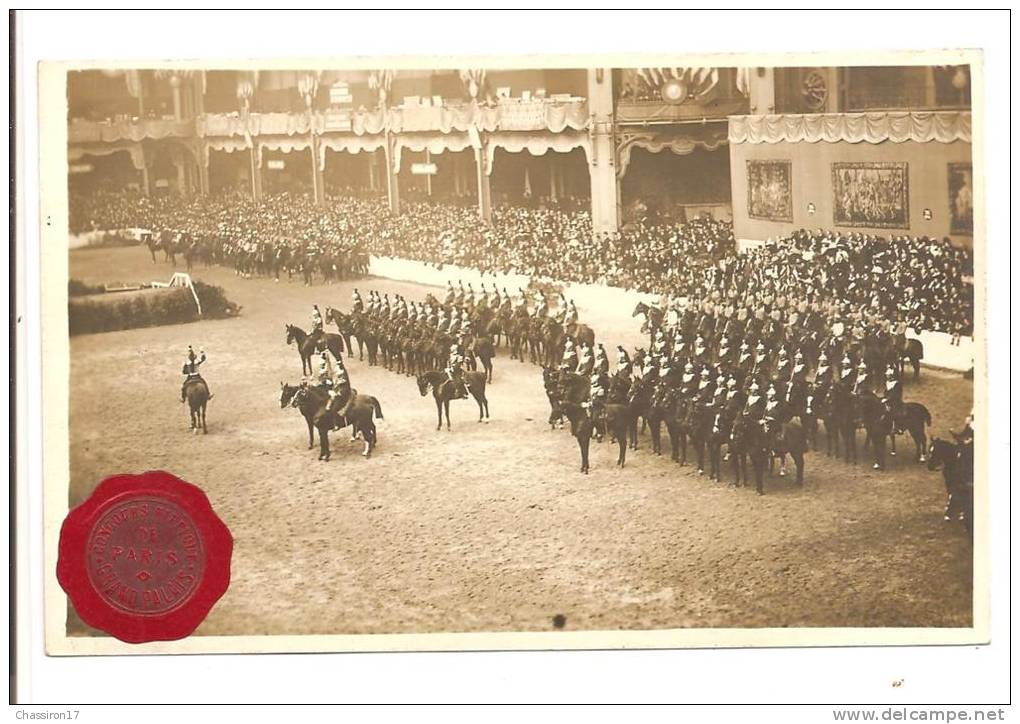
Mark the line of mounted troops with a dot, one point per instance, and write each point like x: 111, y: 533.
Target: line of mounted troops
x: 762, y: 364
x: 462, y: 330
x: 250, y: 257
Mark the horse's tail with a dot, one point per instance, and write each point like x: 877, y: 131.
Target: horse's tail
x: 927, y: 416
x: 378, y: 409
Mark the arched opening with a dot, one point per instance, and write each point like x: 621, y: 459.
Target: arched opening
x: 667, y: 186
x: 553, y: 178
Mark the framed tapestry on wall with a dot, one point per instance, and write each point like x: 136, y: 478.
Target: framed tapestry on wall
x: 873, y: 194
x: 961, y: 199
x: 770, y: 190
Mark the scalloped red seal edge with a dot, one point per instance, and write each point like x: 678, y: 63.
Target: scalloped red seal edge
x: 134, y: 628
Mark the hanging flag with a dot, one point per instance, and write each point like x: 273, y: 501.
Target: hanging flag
x: 744, y: 81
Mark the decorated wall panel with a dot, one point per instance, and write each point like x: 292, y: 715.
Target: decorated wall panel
x: 769, y: 190
x: 872, y: 194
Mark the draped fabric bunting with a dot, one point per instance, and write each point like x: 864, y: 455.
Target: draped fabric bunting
x: 349, y: 144
x: 76, y: 153
x: 228, y: 145
x: 270, y: 124
x: 432, y: 143
x: 281, y: 143
x: 680, y: 145
x: 134, y: 131
x: 535, y: 144
x: 534, y: 116
x: 922, y: 127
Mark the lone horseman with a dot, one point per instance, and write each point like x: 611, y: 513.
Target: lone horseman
x: 455, y: 371
x: 623, y: 365
x: 190, y: 371
x: 357, y: 305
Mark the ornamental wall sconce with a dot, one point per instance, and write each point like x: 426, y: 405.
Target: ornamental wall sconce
x: 927, y: 214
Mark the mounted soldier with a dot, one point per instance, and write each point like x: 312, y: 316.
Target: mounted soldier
x: 357, y: 305
x: 455, y: 371
x: 316, y: 320
x: 601, y: 360
x: 191, y: 373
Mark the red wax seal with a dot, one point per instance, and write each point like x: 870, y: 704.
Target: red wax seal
x: 145, y: 557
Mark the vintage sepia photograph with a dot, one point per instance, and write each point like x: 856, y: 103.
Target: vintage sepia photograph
x: 617, y: 354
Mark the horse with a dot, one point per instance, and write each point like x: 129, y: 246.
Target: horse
x: 581, y: 333
x: 306, y: 344
x: 345, y: 327
x: 616, y: 419
x: 843, y: 418
x: 653, y: 318
x: 197, y: 394
x: 443, y: 390
x: 551, y: 384
x: 287, y: 393
x: 914, y: 418
x: 698, y: 426
x: 913, y: 352
x: 878, y: 424
x: 482, y: 348
x: 314, y: 401
x: 153, y: 244
x: 581, y: 427
x: 957, y: 463
x: 718, y: 436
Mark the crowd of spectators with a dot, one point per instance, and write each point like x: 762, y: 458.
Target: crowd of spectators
x: 921, y: 281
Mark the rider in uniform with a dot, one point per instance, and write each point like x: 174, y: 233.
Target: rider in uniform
x: 356, y: 304
x: 455, y: 371
x: 190, y: 370
x: 623, y: 366
x: 316, y: 320
x: 601, y: 360
x: 893, y: 395
x: 585, y: 363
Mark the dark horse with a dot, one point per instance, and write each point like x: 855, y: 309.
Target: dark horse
x: 762, y: 445
x: 309, y: 344
x: 197, y: 394
x: 581, y: 427
x: 443, y: 390
x: 957, y: 463
x: 313, y: 402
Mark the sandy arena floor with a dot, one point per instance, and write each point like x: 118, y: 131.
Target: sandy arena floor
x: 491, y: 527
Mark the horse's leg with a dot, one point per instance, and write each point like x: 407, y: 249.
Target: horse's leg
x: 478, y: 401
x: 311, y: 433
x: 621, y: 435
x: 656, y: 433
x: 439, y: 413
x: 446, y: 407
x: 798, y: 459
x: 782, y: 464
x: 879, y: 448
x: 204, y: 430
x: 759, y: 474
x: 584, y: 442
x: 920, y: 442
x: 892, y: 444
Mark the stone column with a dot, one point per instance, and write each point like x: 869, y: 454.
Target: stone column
x: 602, y: 161
x: 762, y: 90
